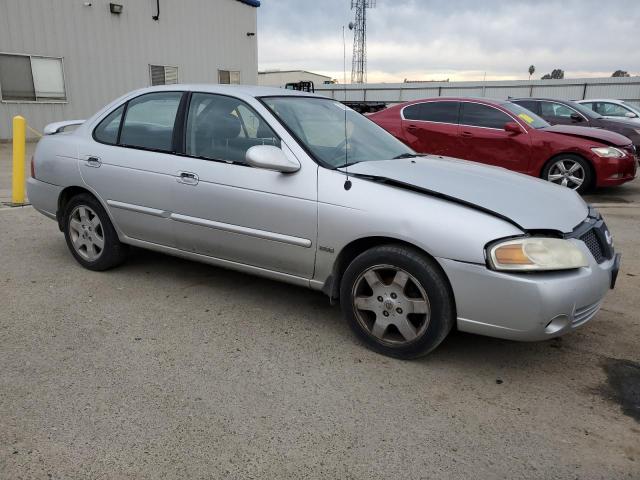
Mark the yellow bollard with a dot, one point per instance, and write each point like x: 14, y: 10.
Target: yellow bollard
x: 19, y: 145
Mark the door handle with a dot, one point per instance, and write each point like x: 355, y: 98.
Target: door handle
x: 94, y: 162
x: 188, y: 178
x: 413, y: 128
x: 466, y: 134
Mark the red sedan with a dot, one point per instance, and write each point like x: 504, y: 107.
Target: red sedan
x: 504, y: 134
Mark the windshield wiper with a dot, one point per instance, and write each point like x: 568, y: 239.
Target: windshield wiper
x: 407, y: 155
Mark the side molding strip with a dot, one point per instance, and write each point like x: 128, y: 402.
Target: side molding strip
x: 138, y: 208
x: 226, y: 227
x: 252, y: 232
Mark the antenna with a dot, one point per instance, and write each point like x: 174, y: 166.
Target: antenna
x: 359, y: 59
x: 347, y: 182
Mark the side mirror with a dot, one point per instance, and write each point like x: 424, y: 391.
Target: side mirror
x: 512, y: 127
x: 575, y: 117
x: 271, y: 158
x: 630, y: 115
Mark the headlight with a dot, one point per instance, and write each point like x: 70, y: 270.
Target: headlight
x: 536, y: 254
x: 608, y: 152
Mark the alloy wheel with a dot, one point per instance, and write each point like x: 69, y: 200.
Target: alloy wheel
x: 568, y: 173
x: 390, y: 304
x: 87, y: 234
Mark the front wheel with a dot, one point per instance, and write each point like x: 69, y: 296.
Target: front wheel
x: 397, y: 300
x: 569, y: 171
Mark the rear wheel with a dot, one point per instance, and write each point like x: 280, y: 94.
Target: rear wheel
x: 397, y: 300
x: 90, y: 235
x: 569, y: 171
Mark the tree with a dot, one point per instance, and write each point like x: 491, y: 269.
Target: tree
x: 620, y: 73
x: 556, y: 74
x: 532, y: 70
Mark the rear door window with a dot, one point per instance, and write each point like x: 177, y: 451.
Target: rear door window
x: 552, y: 109
x: 149, y: 121
x: 443, y: 112
x: 478, y: 115
x: 529, y: 105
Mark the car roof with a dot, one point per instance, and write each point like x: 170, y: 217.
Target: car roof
x: 612, y: 100
x: 542, y: 99
x: 236, y: 90
x: 488, y: 101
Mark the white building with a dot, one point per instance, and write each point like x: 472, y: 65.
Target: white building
x: 279, y: 78
x: 64, y: 59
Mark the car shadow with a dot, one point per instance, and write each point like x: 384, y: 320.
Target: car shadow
x: 623, y: 194
x: 463, y: 350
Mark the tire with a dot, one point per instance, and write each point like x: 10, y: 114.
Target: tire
x: 90, y: 235
x: 413, y: 291
x: 552, y: 172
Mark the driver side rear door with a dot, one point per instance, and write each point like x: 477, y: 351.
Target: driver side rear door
x: 432, y: 127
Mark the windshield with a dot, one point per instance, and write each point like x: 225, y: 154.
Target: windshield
x: 335, y: 134
x: 633, y: 108
x: 587, y: 112
x: 527, y: 116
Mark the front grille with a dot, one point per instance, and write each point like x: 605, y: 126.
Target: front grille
x: 593, y: 244
x: 595, y: 235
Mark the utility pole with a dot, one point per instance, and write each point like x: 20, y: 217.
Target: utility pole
x: 359, y: 27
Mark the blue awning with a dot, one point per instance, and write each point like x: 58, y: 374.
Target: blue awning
x: 251, y: 3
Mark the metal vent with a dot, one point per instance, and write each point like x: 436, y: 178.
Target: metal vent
x: 163, y: 75
x: 593, y: 244
x: 170, y: 75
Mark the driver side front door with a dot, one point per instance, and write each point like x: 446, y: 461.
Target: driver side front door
x: 231, y: 211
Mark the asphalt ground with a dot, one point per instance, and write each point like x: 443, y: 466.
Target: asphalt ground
x: 166, y: 368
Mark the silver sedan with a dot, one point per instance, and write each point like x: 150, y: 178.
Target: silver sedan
x: 299, y: 188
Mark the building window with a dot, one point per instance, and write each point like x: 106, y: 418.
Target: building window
x: 228, y: 76
x: 163, y: 75
x: 30, y: 78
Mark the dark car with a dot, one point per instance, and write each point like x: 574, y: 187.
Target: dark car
x: 504, y: 134
x: 565, y: 112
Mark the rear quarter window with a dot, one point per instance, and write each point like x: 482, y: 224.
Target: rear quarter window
x: 107, y: 129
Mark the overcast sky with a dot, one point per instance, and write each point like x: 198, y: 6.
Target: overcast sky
x: 455, y: 39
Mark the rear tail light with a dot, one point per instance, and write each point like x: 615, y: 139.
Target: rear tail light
x: 33, y: 168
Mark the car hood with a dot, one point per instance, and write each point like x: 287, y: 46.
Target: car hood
x: 528, y: 202
x: 590, y: 133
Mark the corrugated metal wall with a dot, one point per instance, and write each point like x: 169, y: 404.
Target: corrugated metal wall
x: 107, y: 55
x: 573, y: 89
